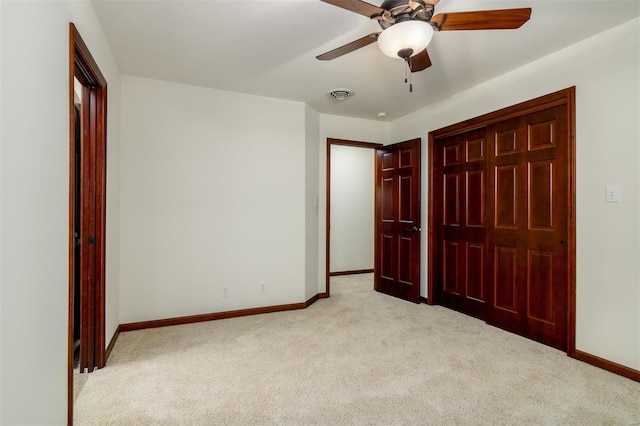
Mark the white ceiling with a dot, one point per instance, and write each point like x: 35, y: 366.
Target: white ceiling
x: 268, y: 48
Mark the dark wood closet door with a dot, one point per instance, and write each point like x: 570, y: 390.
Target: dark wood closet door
x: 460, y: 180
x: 528, y: 211
x: 397, y: 221
x: 502, y: 218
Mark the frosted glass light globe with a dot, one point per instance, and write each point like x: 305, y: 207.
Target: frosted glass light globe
x: 414, y: 35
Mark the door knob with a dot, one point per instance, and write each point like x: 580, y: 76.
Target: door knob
x: 414, y: 229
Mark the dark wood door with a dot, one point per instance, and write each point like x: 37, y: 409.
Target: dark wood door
x: 397, y: 221
x: 501, y: 218
x: 460, y: 166
x: 528, y: 210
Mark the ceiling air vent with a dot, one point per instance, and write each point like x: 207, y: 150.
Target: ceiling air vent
x: 341, y: 94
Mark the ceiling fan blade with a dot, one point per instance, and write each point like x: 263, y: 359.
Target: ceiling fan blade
x: 420, y: 62
x: 357, y: 6
x: 349, y: 47
x: 505, y: 19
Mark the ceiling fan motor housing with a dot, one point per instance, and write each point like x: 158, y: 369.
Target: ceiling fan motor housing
x: 401, y: 11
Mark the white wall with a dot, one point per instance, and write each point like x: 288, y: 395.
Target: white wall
x: 312, y: 135
x: 213, y: 196
x: 354, y: 129
x: 352, y: 208
x: 34, y: 186
x: 607, y: 149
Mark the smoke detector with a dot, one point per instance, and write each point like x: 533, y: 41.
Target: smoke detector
x: 341, y: 94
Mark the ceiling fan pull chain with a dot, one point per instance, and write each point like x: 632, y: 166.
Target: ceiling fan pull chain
x: 407, y: 70
x: 406, y: 65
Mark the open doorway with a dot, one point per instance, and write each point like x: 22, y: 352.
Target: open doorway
x: 350, y: 208
x: 395, y: 231
x: 87, y: 208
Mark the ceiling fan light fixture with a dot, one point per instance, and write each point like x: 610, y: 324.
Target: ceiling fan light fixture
x: 405, y: 39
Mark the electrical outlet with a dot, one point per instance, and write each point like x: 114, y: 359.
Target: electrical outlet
x: 225, y: 292
x: 262, y: 287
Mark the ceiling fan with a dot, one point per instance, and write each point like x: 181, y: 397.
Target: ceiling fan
x: 408, y: 25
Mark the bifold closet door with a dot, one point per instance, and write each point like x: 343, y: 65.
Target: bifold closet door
x: 528, y: 210
x: 500, y: 215
x: 461, y: 163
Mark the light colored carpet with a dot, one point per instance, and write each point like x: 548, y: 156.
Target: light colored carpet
x: 359, y: 357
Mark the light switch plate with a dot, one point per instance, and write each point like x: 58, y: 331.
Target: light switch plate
x: 613, y: 194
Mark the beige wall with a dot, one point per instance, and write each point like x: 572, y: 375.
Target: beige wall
x: 213, y: 196
x: 312, y: 133
x: 34, y: 168
x: 607, y: 149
